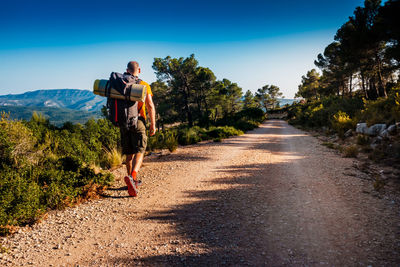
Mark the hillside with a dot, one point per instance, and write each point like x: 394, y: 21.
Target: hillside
x: 74, y: 99
x: 56, y: 116
x: 285, y: 101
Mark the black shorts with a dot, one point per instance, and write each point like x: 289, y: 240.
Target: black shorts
x: 134, y: 140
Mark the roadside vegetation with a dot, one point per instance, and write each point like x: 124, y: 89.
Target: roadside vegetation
x: 45, y: 167
x: 358, y: 84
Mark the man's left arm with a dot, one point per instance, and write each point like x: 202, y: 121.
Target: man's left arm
x: 152, y: 113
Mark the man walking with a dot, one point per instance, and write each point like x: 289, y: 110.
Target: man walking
x: 134, y: 140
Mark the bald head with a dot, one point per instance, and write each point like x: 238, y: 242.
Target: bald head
x: 133, y: 68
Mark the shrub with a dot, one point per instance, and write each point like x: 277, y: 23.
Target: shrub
x: 341, y: 122
x: 350, y: 151
x: 246, y: 125
x: 188, y: 136
x: 163, y: 139
x: 171, y: 141
x: 16, y: 143
x: 382, y: 110
x: 319, y: 113
x: 43, y: 167
x: 329, y: 145
x: 223, y: 132
x: 19, y: 198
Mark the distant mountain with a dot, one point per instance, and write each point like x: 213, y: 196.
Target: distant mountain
x: 74, y: 99
x: 56, y: 116
x: 285, y: 101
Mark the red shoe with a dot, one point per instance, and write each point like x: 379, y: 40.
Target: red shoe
x: 132, y: 188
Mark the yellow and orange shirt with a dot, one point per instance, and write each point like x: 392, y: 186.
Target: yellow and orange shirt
x: 141, y: 105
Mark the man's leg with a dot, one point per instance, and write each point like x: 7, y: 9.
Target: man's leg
x: 141, y: 143
x: 138, y: 161
x: 128, y: 163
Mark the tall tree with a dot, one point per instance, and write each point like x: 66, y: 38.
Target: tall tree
x: 232, y: 97
x: 166, y: 113
x: 179, y: 74
x: 385, y: 26
x: 249, y: 100
x: 310, y: 85
x: 268, y: 96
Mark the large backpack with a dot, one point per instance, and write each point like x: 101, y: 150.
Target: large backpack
x: 122, y: 112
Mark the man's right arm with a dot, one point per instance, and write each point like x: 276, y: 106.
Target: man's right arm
x: 152, y: 113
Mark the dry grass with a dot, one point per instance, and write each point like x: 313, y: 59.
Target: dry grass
x: 350, y: 151
x: 329, y: 145
x: 114, y: 157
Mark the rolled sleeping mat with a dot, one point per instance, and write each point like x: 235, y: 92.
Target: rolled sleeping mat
x: 138, y: 91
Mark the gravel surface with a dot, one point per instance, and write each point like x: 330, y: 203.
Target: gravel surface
x: 271, y: 197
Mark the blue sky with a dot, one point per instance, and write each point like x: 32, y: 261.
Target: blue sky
x: 68, y: 44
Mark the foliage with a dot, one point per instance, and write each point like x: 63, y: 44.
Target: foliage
x: 320, y: 113
x: 189, y: 93
x: 113, y: 157
x: 44, y: 167
x: 310, y: 85
x: 268, y: 96
x: 170, y: 141
x: 382, y: 110
x: 249, y: 100
x: 363, y: 59
x: 341, y: 122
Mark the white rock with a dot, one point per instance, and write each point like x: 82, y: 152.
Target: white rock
x: 348, y: 133
x: 384, y: 134
x: 361, y: 128
x: 376, y: 129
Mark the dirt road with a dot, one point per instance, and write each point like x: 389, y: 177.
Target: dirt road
x: 271, y: 197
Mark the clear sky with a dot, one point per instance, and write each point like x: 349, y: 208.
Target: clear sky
x: 68, y: 44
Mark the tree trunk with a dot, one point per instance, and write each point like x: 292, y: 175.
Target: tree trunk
x: 351, y: 86
x: 187, y: 108
x: 363, y: 85
x: 373, y: 90
x: 381, y: 88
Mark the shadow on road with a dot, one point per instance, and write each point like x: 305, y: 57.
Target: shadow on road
x: 245, y: 223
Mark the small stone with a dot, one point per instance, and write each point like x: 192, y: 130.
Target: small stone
x: 348, y: 133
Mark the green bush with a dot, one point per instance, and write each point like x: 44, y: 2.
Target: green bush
x: 164, y: 139
x: 246, y: 125
x: 43, y: 167
x: 319, y: 113
x: 244, y: 120
x: 382, y: 110
x: 223, y: 132
x: 188, y: 136
x: 341, y: 122
x: 19, y: 198
x: 170, y: 141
